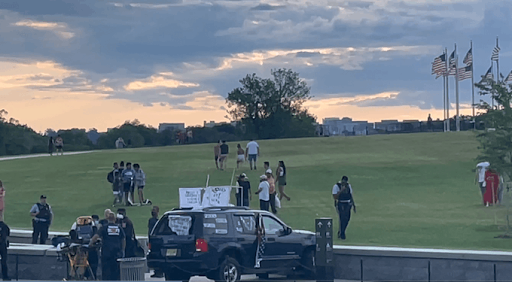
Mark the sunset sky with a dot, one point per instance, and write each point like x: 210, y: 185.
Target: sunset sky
x: 94, y: 64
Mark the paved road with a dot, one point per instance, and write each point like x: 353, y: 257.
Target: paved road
x: 41, y: 155
x: 272, y: 278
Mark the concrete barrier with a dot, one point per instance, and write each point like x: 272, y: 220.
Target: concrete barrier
x: 365, y: 263
x: 35, y: 262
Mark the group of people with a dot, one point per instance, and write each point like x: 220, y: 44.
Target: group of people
x: 125, y: 180
x: 490, y: 183
x: 251, y: 154
x: 56, y: 144
x: 269, y: 197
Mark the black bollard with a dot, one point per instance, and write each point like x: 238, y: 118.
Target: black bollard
x: 324, y: 250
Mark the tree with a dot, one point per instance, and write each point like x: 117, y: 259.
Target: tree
x: 268, y: 106
x: 496, y: 144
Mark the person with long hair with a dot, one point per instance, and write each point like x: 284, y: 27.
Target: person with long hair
x: 492, y: 180
x: 240, y: 156
x: 281, y: 180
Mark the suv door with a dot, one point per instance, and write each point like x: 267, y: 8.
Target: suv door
x: 279, y: 251
x: 246, y: 237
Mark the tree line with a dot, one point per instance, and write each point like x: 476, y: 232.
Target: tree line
x: 264, y: 108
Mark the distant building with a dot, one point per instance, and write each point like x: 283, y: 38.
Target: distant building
x: 213, y: 123
x: 171, y: 126
x: 345, y: 126
x: 388, y: 125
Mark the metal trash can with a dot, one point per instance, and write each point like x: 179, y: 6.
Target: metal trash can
x: 132, y: 269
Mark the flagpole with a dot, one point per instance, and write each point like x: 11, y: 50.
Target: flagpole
x: 497, y: 65
x: 472, y: 84
x: 492, y: 81
x: 447, y: 91
x: 444, y: 99
x: 457, y: 117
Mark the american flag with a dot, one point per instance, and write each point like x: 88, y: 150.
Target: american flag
x: 489, y: 74
x: 495, y: 54
x: 468, y: 59
x: 509, y: 78
x: 439, y: 65
x: 452, y: 65
x: 465, y: 73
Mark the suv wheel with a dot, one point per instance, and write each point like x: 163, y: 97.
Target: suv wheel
x: 229, y: 271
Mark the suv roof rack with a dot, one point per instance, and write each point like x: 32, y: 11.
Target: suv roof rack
x: 225, y: 208
x: 182, y: 209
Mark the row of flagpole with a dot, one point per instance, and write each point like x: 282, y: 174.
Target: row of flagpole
x: 446, y: 67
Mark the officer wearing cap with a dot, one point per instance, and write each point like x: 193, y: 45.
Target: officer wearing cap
x: 43, y: 216
x: 113, y: 246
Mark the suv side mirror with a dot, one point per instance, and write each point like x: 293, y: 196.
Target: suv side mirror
x: 287, y: 231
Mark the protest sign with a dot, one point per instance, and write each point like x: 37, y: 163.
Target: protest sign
x: 180, y: 224
x: 190, y: 197
x: 217, y: 196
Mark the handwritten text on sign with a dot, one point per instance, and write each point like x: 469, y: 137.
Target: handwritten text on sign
x: 190, y: 197
x: 217, y: 196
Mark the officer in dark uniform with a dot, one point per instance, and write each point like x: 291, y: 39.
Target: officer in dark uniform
x: 43, y: 216
x: 127, y: 225
x: 4, y: 233
x: 113, y: 245
x: 342, y: 194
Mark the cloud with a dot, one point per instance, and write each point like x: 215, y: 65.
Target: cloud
x: 266, y: 7
x: 58, y: 28
x: 157, y: 81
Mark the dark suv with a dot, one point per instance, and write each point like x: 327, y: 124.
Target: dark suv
x: 221, y: 244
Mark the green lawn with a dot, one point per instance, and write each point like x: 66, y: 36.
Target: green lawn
x: 411, y: 189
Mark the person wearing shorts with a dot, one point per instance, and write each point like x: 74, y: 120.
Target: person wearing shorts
x: 216, y: 151
x: 240, y: 156
x: 252, y: 151
x: 59, y: 145
x: 128, y: 185
x: 140, y: 182
x: 224, y: 151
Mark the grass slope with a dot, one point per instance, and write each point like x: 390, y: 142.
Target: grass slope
x: 411, y: 189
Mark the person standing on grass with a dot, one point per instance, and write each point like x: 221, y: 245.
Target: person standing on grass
x: 50, y: 146
x: 224, y: 152
x: 43, y: 216
x: 128, y: 182
x: 59, y: 145
x: 252, y: 152
x: 240, y: 156
x: 216, y: 151
x: 140, y: 182
x: 492, y: 180
x: 342, y: 194
x: 263, y: 192
x: 271, y: 190
x: 481, y: 169
x: 266, y: 165
x: 243, y: 192
x: 281, y: 180
x: 2, y: 200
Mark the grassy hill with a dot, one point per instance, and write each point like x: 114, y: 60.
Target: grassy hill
x: 411, y: 189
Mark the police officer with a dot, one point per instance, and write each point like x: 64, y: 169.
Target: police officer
x: 342, y: 194
x: 127, y: 225
x: 4, y: 233
x: 114, y: 242
x: 43, y: 216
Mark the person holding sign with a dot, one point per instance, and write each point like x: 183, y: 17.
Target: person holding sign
x: 263, y: 192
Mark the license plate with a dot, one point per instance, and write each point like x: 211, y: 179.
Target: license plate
x: 172, y: 252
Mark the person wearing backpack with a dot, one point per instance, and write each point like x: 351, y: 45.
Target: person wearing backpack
x: 82, y: 231
x: 43, y: 216
x: 115, y: 178
x: 342, y: 194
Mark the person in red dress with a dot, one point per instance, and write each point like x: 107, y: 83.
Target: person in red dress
x: 492, y: 183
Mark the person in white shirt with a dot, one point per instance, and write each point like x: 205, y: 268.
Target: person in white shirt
x: 252, y: 153
x: 263, y: 192
x: 481, y: 168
